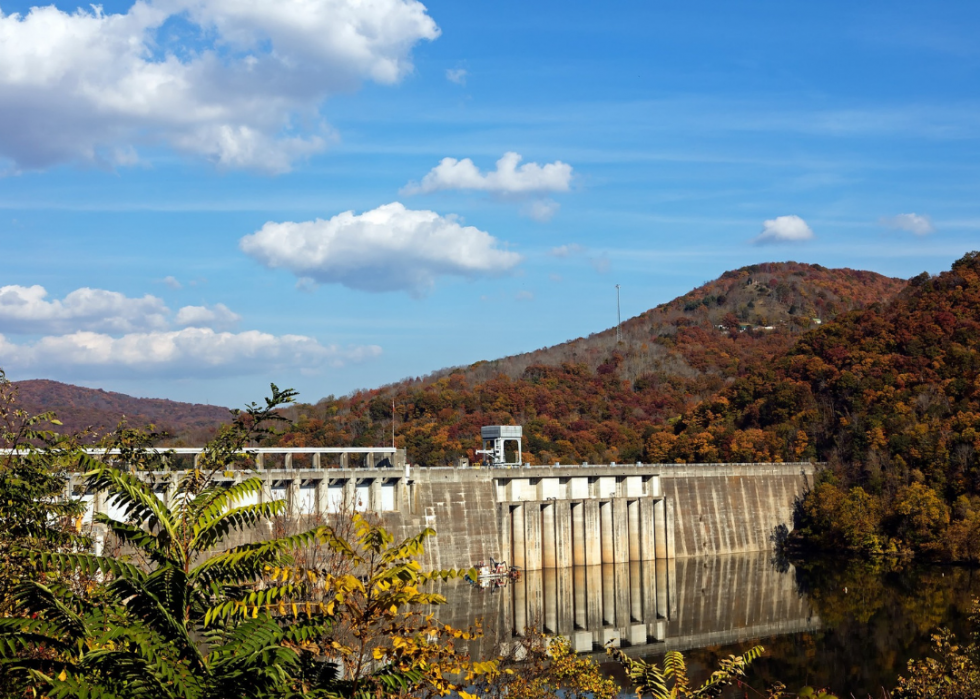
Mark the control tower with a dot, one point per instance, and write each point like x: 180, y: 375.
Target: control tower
x: 495, y: 437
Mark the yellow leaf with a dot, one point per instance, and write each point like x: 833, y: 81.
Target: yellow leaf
x: 63, y: 676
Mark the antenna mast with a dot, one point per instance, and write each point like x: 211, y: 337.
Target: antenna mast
x: 619, y: 318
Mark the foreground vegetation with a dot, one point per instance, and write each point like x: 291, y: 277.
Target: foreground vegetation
x: 172, y: 602
x: 167, y: 604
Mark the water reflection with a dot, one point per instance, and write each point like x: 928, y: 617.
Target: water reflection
x: 849, y: 626
x: 875, y: 616
x: 644, y: 607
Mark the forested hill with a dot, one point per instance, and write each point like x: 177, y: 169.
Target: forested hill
x: 592, y: 399
x: 101, y: 411
x: 890, y: 397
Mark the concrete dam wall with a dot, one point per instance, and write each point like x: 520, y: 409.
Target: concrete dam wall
x: 554, y: 517
x: 547, y: 517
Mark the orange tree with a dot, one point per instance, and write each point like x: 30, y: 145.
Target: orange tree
x: 539, y: 667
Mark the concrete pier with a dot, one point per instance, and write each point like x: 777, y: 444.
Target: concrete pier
x: 578, y: 533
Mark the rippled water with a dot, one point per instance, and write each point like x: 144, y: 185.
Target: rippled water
x: 849, y: 626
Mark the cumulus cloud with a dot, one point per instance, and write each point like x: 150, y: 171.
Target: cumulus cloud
x: 507, y: 179
x: 190, y: 352
x: 390, y: 248
x: 913, y: 223
x: 244, y: 92
x: 784, y: 229
x: 172, y: 282
x: 524, y: 296
x: 94, y: 333
x: 456, y: 75
x: 25, y: 309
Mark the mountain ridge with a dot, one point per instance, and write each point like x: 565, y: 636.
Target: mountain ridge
x: 98, y: 411
x: 592, y: 398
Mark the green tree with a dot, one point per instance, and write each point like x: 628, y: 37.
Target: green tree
x: 33, y: 510
x: 177, y: 616
x: 671, y: 681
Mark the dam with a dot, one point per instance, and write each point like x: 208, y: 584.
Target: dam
x: 648, y: 557
x: 535, y: 517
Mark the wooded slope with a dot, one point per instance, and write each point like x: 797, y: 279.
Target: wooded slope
x: 592, y: 399
x: 890, y: 397
x: 101, y: 411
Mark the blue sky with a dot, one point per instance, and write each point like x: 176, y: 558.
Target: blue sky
x: 172, y: 215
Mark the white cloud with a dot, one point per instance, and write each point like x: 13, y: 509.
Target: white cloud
x: 245, y: 92
x: 191, y: 352
x: 172, y: 282
x: 390, y: 248
x: 913, y: 223
x: 566, y: 250
x: 542, y: 210
x: 456, y: 75
x: 217, y: 316
x: 93, y: 332
x: 508, y: 178
x: 524, y: 296
x: 784, y: 229
x: 25, y: 309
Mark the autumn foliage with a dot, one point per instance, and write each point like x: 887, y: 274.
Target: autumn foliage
x: 890, y: 397
x: 91, y: 413
x: 597, y: 400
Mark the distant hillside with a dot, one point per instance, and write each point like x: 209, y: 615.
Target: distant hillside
x: 591, y: 398
x: 100, y: 411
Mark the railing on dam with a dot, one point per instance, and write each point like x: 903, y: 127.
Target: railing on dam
x: 264, y: 457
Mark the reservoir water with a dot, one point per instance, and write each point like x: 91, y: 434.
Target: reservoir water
x: 849, y: 626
